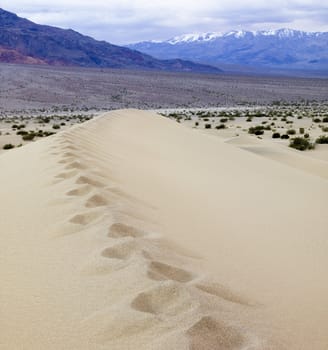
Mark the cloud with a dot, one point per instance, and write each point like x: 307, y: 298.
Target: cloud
x: 122, y: 21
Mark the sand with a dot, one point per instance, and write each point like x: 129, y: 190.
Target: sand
x: 131, y: 231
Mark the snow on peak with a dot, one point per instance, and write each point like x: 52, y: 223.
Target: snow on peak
x: 236, y: 33
x: 239, y: 34
x: 193, y: 37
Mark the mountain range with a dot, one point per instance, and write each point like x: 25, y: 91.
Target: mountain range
x: 22, y: 41
x: 283, y: 49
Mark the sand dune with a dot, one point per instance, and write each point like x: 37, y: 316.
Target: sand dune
x: 131, y: 231
x: 313, y: 162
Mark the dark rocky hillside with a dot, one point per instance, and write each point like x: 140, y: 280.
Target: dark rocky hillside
x: 22, y: 41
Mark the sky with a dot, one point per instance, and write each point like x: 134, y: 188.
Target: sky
x: 129, y: 21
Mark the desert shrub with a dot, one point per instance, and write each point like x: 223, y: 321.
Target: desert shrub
x: 8, y: 146
x: 256, y: 130
x: 223, y: 120
x: 306, y: 135
x: 48, y: 133
x: 301, y: 130
x: 325, y: 120
x: 317, y: 120
x: 301, y: 144
x: 324, y: 128
x: 291, y: 132
x: 208, y: 126
x: 323, y: 139
x: 276, y: 135
x: 28, y: 137
x: 56, y: 126
x: 21, y: 132
x: 196, y: 123
x: 285, y: 137
x: 221, y: 126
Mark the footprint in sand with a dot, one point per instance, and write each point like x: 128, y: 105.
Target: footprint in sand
x: 119, y: 230
x: 69, y: 148
x: 69, y: 154
x: 85, y: 180
x: 76, y: 165
x: 210, y: 334
x: 66, y: 160
x: 81, y: 191
x: 160, y: 272
x: 85, y: 218
x: 120, y: 251
x: 167, y: 299
x: 66, y: 175
x: 96, y: 201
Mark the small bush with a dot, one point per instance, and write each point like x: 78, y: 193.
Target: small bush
x: 221, y: 126
x: 196, y: 123
x: 223, y: 120
x: 21, y: 132
x: 208, y: 126
x: 301, y: 130
x: 323, y: 139
x: 301, y: 144
x: 256, y: 130
x: 285, y: 137
x: 291, y: 132
x: 48, y: 133
x: 306, y: 135
x: 8, y: 146
x: 56, y: 126
x: 276, y: 135
x: 28, y: 137
x: 317, y: 120
x: 325, y: 120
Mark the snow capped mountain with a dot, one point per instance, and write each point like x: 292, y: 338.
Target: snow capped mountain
x: 282, y: 48
x: 239, y: 34
x: 187, y: 38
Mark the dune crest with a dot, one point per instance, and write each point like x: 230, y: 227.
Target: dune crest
x: 119, y: 244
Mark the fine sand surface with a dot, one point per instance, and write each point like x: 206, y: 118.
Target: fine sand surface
x: 131, y: 231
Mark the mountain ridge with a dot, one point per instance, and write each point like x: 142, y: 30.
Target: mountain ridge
x: 210, y: 36
x: 283, y: 48
x: 22, y: 41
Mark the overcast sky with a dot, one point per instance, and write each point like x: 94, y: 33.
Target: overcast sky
x: 127, y: 21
